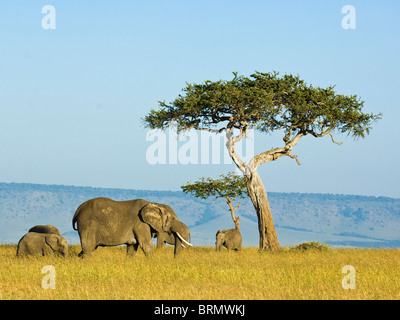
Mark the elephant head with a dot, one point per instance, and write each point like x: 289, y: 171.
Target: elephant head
x: 182, y: 236
x: 57, y: 243
x: 166, y: 225
x: 220, y: 239
x: 157, y: 217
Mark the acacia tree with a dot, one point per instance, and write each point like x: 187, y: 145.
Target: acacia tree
x: 266, y: 102
x: 230, y: 187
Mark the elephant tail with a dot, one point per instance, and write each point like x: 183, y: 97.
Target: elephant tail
x: 75, y: 218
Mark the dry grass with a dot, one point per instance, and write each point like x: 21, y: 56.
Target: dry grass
x: 202, y: 273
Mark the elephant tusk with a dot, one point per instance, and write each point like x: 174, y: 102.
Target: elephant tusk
x: 183, y: 240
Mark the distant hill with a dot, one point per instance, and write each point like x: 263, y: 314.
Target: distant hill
x: 339, y: 220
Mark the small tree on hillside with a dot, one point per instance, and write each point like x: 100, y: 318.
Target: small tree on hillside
x: 265, y: 102
x: 230, y: 187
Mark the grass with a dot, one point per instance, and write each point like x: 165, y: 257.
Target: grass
x: 202, y: 274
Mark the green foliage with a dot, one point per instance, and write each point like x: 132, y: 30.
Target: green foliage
x: 228, y: 186
x: 265, y: 102
x: 306, y: 246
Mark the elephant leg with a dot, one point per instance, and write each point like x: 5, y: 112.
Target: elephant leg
x: 131, y: 249
x: 88, y: 244
x: 87, y: 249
x: 160, y: 240
x: 144, y: 239
x: 147, y: 247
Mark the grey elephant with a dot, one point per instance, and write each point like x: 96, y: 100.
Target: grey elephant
x: 41, y: 244
x: 229, y: 238
x: 45, y: 229
x: 106, y: 222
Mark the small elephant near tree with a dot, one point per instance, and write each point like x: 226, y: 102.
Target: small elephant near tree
x: 42, y: 244
x: 229, y: 238
x: 45, y: 229
x: 230, y: 187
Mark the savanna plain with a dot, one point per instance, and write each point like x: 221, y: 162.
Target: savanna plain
x: 201, y: 273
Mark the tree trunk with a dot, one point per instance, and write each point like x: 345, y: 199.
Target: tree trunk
x: 266, y: 228
x: 256, y: 190
x: 234, y: 219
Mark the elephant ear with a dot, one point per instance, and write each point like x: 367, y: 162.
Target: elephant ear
x: 154, y: 216
x: 53, y: 241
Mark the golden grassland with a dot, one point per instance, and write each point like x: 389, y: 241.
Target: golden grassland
x: 201, y: 273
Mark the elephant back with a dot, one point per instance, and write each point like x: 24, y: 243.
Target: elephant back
x: 45, y: 229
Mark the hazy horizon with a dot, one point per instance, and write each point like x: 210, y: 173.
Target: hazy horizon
x: 180, y: 190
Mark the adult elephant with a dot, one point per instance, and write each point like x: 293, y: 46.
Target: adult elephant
x: 106, y: 222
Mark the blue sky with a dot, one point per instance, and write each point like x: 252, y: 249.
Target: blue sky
x: 71, y: 99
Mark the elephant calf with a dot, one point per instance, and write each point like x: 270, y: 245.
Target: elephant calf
x: 229, y: 238
x: 41, y: 244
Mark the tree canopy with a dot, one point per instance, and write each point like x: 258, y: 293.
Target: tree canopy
x: 230, y: 185
x: 265, y: 102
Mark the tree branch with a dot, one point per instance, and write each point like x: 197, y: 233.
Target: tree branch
x: 276, y: 153
x: 324, y: 133
x: 338, y: 143
x: 234, y: 219
x: 294, y: 157
x: 216, y: 131
x: 230, y: 145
